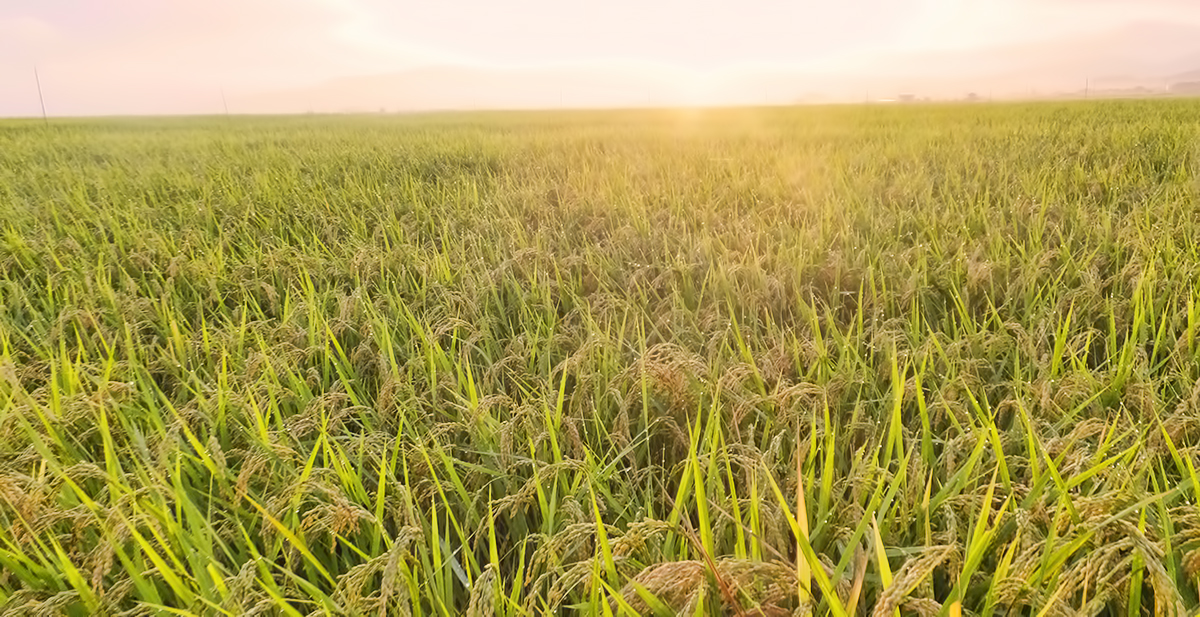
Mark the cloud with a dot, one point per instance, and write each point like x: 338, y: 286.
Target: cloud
x: 953, y: 24
x: 691, y: 34
x: 142, y: 56
x: 265, y: 41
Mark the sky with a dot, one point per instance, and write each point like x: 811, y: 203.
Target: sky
x: 96, y: 57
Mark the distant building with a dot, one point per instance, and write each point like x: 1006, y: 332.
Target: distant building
x: 973, y: 97
x: 906, y: 98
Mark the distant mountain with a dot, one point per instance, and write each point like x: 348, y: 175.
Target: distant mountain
x: 1137, y: 59
x: 456, y: 87
x: 1140, y: 55
x: 1188, y: 76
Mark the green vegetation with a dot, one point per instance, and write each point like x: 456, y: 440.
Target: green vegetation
x: 597, y: 363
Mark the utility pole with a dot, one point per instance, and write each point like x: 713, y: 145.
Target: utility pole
x: 224, y: 102
x: 1087, y: 87
x: 41, y: 98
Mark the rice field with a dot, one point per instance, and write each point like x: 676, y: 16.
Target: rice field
x: 864, y: 360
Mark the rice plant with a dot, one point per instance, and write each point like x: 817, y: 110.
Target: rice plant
x: 920, y: 360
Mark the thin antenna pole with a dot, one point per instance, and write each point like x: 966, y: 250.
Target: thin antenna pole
x: 37, y: 78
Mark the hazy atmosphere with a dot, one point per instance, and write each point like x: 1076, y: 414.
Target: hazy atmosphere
x: 266, y: 56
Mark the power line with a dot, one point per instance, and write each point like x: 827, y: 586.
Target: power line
x: 41, y: 98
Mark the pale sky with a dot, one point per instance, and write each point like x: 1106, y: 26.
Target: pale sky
x: 178, y: 56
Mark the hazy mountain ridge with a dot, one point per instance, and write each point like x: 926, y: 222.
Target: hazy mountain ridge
x: 1116, y: 62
